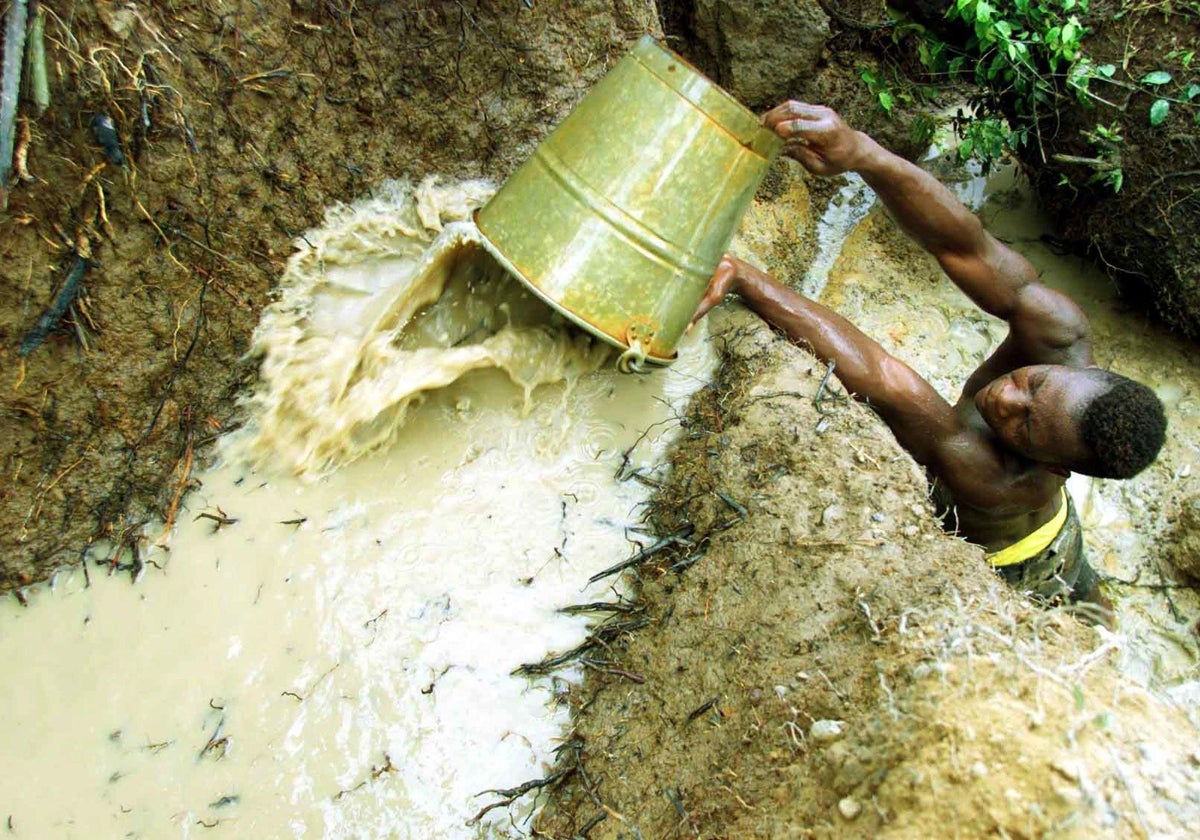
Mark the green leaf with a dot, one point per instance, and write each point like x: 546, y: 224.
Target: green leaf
x: 1193, y: 90
x: 1071, y: 31
x: 1156, y: 77
x: 1159, y: 111
x: 1106, y: 70
x: 886, y: 100
x: 1079, y: 697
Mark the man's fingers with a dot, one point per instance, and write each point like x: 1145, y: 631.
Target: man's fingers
x: 706, y: 304
x: 803, y: 130
x: 792, y: 111
x: 718, y: 287
x: 807, y: 157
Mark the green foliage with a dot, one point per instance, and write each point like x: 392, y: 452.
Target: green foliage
x: 1030, y: 54
x: 879, y: 88
x: 890, y: 91
x: 1106, y: 165
x: 984, y: 138
x: 1159, y: 111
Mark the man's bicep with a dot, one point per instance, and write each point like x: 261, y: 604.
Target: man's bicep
x: 918, y: 416
x: 990, y: 273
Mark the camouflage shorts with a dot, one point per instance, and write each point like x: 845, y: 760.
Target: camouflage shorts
x: 1059, y: 573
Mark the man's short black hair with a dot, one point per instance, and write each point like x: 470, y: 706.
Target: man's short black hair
x: 1124, y: 427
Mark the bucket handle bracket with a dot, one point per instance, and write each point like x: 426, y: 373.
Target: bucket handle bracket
x: 638, y: 337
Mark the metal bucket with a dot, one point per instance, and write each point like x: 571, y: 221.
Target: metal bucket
x: 621, y: 215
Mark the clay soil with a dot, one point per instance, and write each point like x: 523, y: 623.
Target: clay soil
x: 810, y: 582
x: 238, y: 123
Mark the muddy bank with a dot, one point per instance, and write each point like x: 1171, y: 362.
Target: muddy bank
x: 238, y: 123
x: 819, y: 659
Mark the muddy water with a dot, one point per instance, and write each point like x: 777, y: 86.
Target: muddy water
x: 414, y: 501
x: 327, y: 651
x: 898, y: 295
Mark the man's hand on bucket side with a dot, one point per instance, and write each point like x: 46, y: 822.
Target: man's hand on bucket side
x: 723, y: 282
x: 816, y: 136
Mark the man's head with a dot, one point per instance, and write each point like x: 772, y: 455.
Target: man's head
x: 1084, y: 420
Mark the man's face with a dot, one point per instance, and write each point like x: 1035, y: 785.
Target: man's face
x: 1034, y: 411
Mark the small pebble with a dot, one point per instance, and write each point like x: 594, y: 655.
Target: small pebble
x: 849, y: 808
x: 825, y: 731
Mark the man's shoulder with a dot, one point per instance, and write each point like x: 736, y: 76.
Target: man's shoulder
x: 994, y: 483
x: 980, y: 473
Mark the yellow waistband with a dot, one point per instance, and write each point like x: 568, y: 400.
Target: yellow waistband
x: 1035, y: 543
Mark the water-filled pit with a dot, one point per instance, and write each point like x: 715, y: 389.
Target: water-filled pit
x: 331, y: 654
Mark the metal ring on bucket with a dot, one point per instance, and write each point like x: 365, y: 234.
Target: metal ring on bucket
x: 632, y: 360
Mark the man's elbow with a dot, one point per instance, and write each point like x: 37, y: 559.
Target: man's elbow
x: 1050, y: 317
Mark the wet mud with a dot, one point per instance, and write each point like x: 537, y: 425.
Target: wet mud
x: 805, y: 652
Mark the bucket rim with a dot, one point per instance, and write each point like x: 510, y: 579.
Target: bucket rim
x: 750, y: 132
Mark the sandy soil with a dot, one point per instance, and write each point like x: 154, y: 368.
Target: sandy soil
x: 821, y: 660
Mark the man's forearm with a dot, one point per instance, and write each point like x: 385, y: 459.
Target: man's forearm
x: 989, y: 272
x: 922, y: 205
x: 831, y: 337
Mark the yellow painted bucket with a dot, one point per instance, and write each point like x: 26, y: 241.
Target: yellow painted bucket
x: 621, y: 215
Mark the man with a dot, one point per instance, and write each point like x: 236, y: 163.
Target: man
x: 1037, y: 409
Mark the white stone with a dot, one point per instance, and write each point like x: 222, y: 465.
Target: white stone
x: 849, y: 808
x: 825, y: 731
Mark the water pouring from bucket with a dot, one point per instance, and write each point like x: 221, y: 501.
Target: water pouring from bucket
x: 621, y: 215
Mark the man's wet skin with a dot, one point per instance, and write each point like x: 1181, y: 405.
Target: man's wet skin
x: 1030, y: 416
x: 1034, y: 410
x: 1000, y: 455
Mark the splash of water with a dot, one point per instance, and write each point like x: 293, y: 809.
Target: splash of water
x: 392, y: 298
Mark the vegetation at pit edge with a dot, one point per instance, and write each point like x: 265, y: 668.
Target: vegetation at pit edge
x: 1032, y: 55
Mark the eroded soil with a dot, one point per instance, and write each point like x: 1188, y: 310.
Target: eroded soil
x: 239, y: 123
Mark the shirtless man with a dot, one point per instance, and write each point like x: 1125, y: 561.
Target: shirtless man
x: 1036, y: 410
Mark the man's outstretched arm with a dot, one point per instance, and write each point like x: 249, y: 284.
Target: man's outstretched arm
x: 921, y: 420
x: 1046, y: 325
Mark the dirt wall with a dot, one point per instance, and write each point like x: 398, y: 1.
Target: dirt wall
x: 818, y: 659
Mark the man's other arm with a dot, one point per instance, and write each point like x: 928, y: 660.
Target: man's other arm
x: 1046, y: 326
x: 923, y: 422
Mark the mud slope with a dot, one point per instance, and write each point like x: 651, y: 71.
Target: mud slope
x: 817, y: 659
